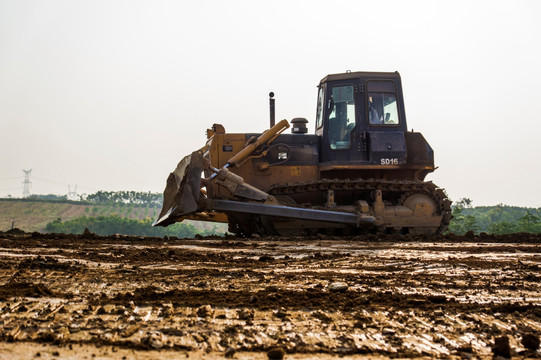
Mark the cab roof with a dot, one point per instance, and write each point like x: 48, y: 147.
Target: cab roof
x: 360, y: 74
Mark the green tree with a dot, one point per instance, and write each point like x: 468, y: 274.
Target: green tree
x: 461, y: 222
x: 501, y: 228
x: 125, y: 197
x: 528, y: 223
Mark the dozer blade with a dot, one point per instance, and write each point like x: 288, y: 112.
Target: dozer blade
x: 182, y: 190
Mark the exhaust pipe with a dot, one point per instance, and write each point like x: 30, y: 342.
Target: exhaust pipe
x: 271, y: 107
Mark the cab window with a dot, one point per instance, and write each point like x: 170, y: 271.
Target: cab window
x: 319, y: 114
x: 342, y: 116
x: 382, y: 104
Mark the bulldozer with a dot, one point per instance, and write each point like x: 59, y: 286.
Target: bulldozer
x: 361, y: 171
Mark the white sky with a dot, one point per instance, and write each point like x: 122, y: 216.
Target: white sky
x: 110, y: 95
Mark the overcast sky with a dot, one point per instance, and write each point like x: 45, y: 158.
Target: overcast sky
x: 110, y: 95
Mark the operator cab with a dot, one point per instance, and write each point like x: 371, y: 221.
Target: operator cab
x: 361, y: 120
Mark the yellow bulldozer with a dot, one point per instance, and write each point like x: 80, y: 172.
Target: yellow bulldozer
x: 361, y: 171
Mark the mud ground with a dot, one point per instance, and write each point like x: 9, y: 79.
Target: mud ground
x: 85, y: 296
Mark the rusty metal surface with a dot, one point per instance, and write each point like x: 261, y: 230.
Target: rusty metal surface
x: 182, y: 191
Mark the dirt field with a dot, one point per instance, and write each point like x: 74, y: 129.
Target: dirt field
x: 65, y: 296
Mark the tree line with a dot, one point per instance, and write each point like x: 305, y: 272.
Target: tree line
x: 499, y: 220
x: 125, y: 197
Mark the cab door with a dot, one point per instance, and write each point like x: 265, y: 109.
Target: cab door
x: 386, y: 123
x: 339, y: 118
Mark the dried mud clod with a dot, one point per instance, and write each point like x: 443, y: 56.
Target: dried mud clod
x: 530, y: 341
x: 24, y: 289
x: 276, y: 353
x: 229, y: 352
x: 501, y: 347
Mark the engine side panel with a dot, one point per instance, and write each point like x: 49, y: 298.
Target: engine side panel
x: 290, y: 158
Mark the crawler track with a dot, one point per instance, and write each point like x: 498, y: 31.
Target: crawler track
x: 346, y: 191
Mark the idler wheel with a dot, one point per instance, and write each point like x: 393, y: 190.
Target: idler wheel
x: 421, y: 205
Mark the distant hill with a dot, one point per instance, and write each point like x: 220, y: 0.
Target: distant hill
x: 34, y: 215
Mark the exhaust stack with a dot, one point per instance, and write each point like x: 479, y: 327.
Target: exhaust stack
x: 271, y: 108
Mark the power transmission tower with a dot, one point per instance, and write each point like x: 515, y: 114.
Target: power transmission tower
x: 26, y: 183
x: 72, y: 195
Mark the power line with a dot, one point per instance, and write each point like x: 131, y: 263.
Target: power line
x: 50, y: 181
x: 11, y: 189
x: 42, y: 190
x: 42, y: 182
